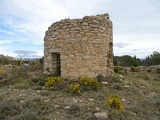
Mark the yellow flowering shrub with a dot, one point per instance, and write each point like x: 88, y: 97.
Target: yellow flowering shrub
x: 114, y: 102
x: 117, y: 68
x: 2, y: 72
x: 134, y: 69
x: 52, y: 81
x: 75, y: 88
x: 91, y: 82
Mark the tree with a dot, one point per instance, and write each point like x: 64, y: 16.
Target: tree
x: 126, y: 60
x: 153, y: 59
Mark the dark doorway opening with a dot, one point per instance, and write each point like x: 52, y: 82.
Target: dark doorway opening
x: 56, y: 64
x: 110, y: 55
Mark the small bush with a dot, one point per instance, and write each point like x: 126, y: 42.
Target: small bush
x: 117, y: 86
x: 21, y: 86
x: 90, y: 116
x: 74, y: 109
x: 61, y: 85
x: 43, y: 93
x: 27, y: 115
x: 8, y: 109
x: 117, y: 68
x: 158, y: 70
x: 100, y: 78
x: 146, y: 77
x: 125, y: 70
x: 121, y: 115
x: 3, y: 76
x: 2, y: 72
x: 149, y: 70
x: 114, y: 102
x: 75, y: 88
x: 52, y: 81
x: 38, y: 81
x: 85, y: 81
x: 134, y: 69
x: 38, y: 88
x: 89, y: 82
x: 113, y: 79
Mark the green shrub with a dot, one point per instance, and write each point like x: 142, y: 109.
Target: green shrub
x: 44, y: 93
x: 113, y: 79
x: 74, y: 109
x: 117, y: 86
x: 158, y: 70
x: 114, y: 102
x: 89, y: 82
x: 27, y: 115
x: 21, y: 63
x: 52, y: 81
x: 38, y: 81
x: 38, y: 88
x: 100, y: 78
x: 117, y: 68
x: 134, y: 69
x: 125, y: 70
x: 122, y: 115
x: 75, y: 88
x: 8, y: 108
x: 21, y: 86
x: 146, y: 77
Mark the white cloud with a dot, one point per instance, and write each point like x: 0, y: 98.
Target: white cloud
x: 144, y: 44
x: 39, y: 53
x: 6, y: 32
x: 5, y: 51
x: 4, y: 41
x: 32, y: 18
x: 27, y: 54
x: 120, y: 45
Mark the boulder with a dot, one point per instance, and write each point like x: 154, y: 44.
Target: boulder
x: 101, y: 115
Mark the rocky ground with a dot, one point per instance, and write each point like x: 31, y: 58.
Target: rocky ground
x: 23, y: 98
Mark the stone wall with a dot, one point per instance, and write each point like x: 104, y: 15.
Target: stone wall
x: 78, y: 47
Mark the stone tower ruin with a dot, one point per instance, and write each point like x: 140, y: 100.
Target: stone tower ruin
x: 78, y: 47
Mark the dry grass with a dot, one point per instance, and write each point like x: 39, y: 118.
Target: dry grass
x: 140, y: 94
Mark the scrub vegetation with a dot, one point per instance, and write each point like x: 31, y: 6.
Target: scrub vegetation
x: 27, y: 94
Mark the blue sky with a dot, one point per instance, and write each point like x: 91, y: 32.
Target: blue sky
x: 23, y: 23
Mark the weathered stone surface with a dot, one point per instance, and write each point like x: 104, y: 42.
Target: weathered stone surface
x: 83, y: 70
x: 77, y: 47
x: 101, y: 115
x: 73, y: 74
x: 126, y: 86
x: 64, y: 57
x: 121, y: 76
x: 47, y: 73
x: 105, y: 83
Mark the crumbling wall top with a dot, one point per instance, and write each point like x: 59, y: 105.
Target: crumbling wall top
x: 100, y: 17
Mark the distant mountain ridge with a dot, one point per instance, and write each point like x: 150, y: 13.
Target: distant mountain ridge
x: 30, y: 58
x: 13, y: 58
x: 6, y: 57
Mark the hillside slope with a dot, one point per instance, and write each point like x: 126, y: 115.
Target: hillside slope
x: 23, y: 95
